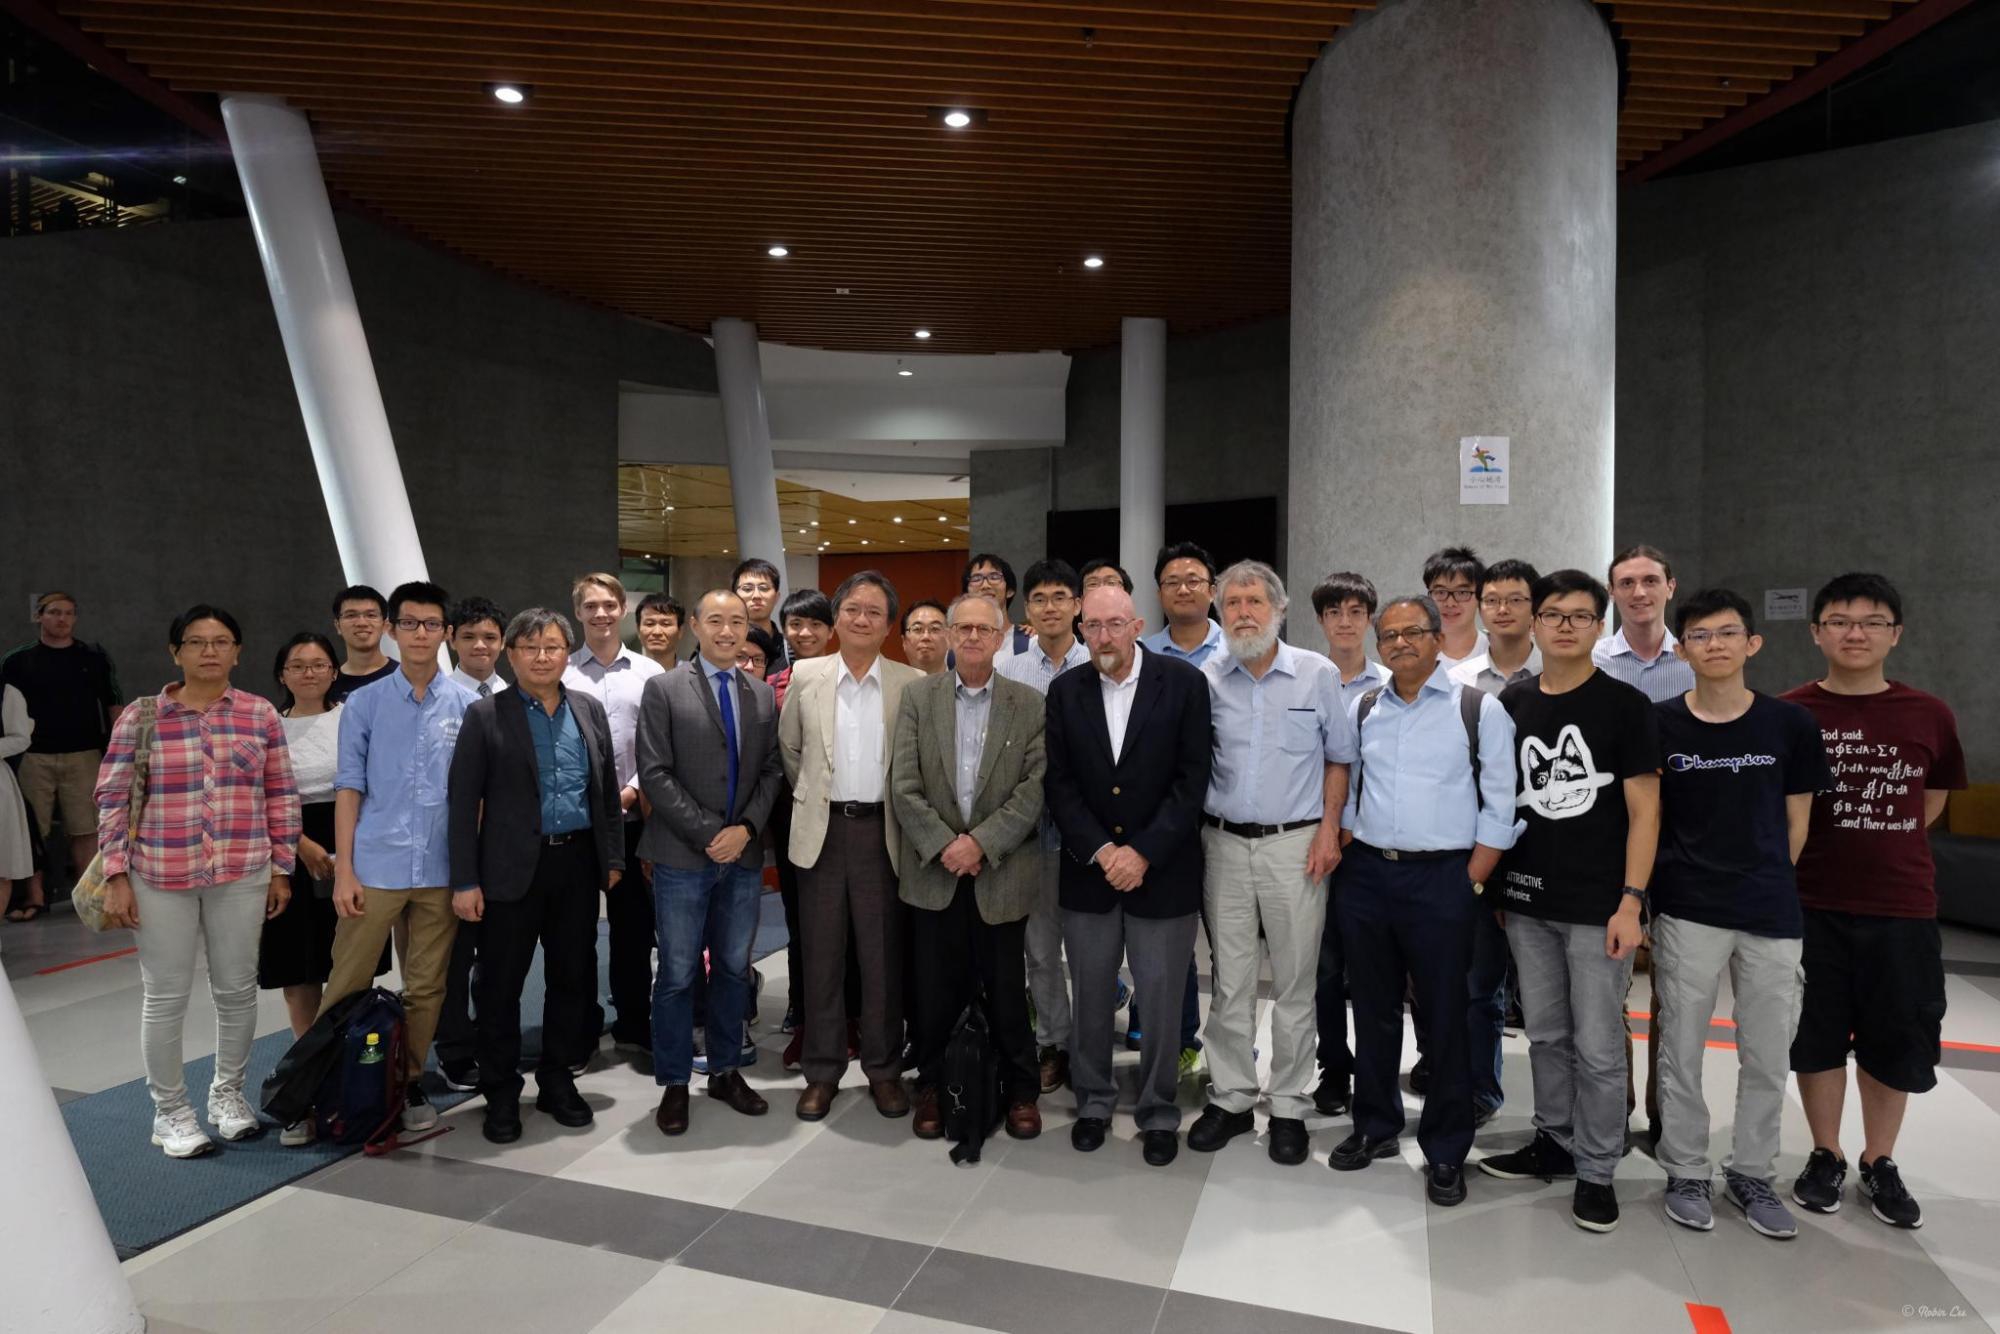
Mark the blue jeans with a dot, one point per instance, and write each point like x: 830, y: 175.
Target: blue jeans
x: 715, y: 906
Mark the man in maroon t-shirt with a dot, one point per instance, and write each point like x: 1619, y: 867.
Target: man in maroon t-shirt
x: 1873, y: 962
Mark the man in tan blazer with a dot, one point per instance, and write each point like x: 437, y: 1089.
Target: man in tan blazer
x: 966, y: 785
x: 833, y: 735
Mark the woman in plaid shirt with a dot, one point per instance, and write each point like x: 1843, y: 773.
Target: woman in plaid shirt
x: 211, y: 859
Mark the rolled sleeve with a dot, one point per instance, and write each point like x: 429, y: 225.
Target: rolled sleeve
x: 1497, y: 826
x: 356, y: 720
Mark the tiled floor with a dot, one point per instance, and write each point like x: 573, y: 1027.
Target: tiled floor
x: 852, y: 1225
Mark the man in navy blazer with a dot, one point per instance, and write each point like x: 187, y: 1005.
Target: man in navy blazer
x: 1129, y: 748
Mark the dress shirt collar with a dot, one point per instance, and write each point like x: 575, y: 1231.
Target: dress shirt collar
x: 1618, y: 645
x: 1166, y: 644
x: 843, y: 673
x: 408, y: 687
x: 584, y: 657
x: 170, y: 700
x: 1131, y: 677
x: 494, y: 684
x: 711, y: 671
x: 528, y: 701
x: 1041, y: 657
x: 970, y: 694
x: 1439, y: 682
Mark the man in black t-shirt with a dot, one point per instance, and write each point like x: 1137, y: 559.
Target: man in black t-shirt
x: 360, y: 616
x: 71, y: 691
x: 1735, y: 800
x: 1571, y: 891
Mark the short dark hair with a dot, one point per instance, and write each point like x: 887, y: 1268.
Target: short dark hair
x: 756, y: 565
x: 873, y: 577
x: 1638, y: 551
x: 1446, y: 562
x: 1052, y: 570
x: 1502, y: 570
x: 535, y: 620
x: 1340, y: 588
x: 299, y: 641
x: 202, y: 611
x: 1174, y: 551
x: 903, y: 626
x: 1559, y: 582
x: 809, y: 603
x: 359, y: 593
x: 984, y: 558
x: 473, y: 610
x: 1708, y: 602
x: 665, y: 603
x: 1874, y: 588
x: 774, y: 656
x: 420, y: 591
x: 1091, y: 567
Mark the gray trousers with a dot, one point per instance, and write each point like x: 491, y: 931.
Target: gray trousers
x: 1046, y: 982
x: 1250, y: 883
x: 1573, y: 999
x: 1160, y: 949
x: 1768, y: 982
x: 851, y: 888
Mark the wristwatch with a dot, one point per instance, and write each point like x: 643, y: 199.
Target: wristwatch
x: 1645, y: 901
x: 1478, y: 887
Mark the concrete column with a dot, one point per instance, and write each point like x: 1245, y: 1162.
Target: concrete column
x: 1142, y: 457
x: 324, y: 342
x: 58, y: 1271
x: 1453, y: 259
x: 753, y: 482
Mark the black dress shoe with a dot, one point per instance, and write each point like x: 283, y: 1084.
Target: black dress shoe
x: 564, y: 1103
x: 1445, y: 1185
x: 1420, y: 1076
x: 1357, y: 1151
x: 1332, y: 1098
x: 1481, y: 1115
x: 1215, y: 1128
x: 731, y: 1088
x: 1289, y: 1143
x: 1087, y: 1135
x: 1162, y: 1146
x: 503, y: 1120
x: 672, y: 1116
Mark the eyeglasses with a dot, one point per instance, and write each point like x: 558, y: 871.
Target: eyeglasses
x: 1410, y: 636
x: 1114, y: 628
x: 209, y: 645
x: 1840, y: 625
x: 309, y: 668
x: 1194, y: 583
x: 747, y: 587
x: 1062, y: 599
x: 540, y: 650
x: 975, y: 631
x: 986, y: 577
x: 1442, y: 595
x: 1552, y: 619
x: 923, y: 630
x: 1102, y: 581
x: 370, y: 615
x: 1728, y: 634
x: 1514, y: 603
x: 410, y: 625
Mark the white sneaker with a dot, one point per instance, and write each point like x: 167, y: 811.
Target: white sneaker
x: 232, y: 1115
x: 298, y: 1133
x: 180, y: 1134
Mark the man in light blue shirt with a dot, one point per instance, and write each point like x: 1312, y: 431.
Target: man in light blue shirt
x: 1186, y: 576
x: 1270, y: 836
x: 1641, y: 651
x: 391, y: 828
x: 1430, y: 810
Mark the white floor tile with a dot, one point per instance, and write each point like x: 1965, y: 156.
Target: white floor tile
x: 676, y: 1299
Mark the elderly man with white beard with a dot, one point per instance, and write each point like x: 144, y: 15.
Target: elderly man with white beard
x: 1270, y: 838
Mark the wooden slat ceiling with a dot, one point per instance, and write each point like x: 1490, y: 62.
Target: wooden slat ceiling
x: 685, y: 510
x: 667, y: 145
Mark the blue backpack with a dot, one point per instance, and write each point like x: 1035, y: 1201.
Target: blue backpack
x: 346, y: 1072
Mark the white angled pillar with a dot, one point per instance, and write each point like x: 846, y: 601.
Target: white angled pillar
x: 324, y: 342
x: 753, y: 481
x: 1142, y: 458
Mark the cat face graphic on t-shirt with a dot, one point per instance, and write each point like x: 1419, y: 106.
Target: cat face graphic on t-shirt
x: 1559, y: 782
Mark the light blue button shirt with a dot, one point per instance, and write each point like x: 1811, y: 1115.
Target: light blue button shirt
x: 1161, y: 641
x: 1415, y: 777
x: 971, y: 708
x: 1275, y: 736
x: 1371, y: 675
x: 1665, y: 677
x: 736, y: 702
x: 1035, y: 669
x: 395, y: 750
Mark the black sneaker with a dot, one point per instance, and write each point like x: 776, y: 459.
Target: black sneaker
x: 1332, y: 1097
x: 1888, y: 1198
x: 1818, y: 1187
x: 461, y: 1075
x: 1542, y: 1159
x: 1594, y: 1207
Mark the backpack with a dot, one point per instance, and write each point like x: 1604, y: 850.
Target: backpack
x: 971, y: 1099
x: 1469, y: 698
x: 347, y: 1073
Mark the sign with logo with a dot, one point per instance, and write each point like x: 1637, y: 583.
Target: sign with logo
x: 1785, y: 604
x: 1482, y: 470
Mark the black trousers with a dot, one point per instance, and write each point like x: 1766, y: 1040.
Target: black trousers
x: 959, y: 955
x: 628, y: 913
x: 559, y: 912
x: 457, y: 1038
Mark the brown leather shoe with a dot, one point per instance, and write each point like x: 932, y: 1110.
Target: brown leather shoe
x: 1055, y: 1068
x: 815, y: 1100
x: 1024, y: 1120
x: 729, y: 1087
x: 672, y: 1117
x: 927, y: 1123
x: 891, y: 1098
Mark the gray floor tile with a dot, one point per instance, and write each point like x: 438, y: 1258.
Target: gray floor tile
x: 1017, y: 1298
x: 66, y: 1095
x: 828, y: 1261
x: 605, y: 1219
x: 442, y: 1186
x: 1190, y: 1313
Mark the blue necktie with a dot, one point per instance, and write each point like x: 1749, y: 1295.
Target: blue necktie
x: 723, y: 692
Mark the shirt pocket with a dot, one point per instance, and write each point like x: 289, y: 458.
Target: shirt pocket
x: 1299, y: 733
x: 246, y: 758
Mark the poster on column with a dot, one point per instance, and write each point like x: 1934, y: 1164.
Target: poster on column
x: 1482, y: 470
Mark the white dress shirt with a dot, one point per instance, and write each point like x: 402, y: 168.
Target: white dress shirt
x: 1118, y: 697
x: 858, y: 737
x: 618, y: 686
x: 493, y: 684
x: 1446, y: 661
x: 1479, y: 672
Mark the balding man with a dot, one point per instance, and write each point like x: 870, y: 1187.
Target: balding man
x: 1129, y: 746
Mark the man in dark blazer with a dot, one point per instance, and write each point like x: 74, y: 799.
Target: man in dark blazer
x: 535, y: 837
x: 1129, y: 750
x: 709, y: 768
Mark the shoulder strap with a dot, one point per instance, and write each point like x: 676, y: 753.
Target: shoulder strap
x: 1470, y: 698
x: 1361, y: 712
x: 142, y: 762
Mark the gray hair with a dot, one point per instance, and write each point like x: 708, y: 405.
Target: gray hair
x: 1421, y: 601
x: 1253, y: 571
x: 873, y: 577
x: 951, y: 612
x: 529, y: 624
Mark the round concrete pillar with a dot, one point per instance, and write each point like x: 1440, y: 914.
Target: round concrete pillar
x: 1454, y: 248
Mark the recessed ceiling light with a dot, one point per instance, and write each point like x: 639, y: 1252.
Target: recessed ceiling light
x: 896, y: 519
x: 512, y: 94
x: 958, y: 120
x: 182, y: 180
x: 923, y: 333
x: 802, y: 532
x: 903, y: 372
x: 779, y: 252
x: 815, y: 523
x: 1093, y: 261
x: 944, y: 518
x: 864, y: 541
x: 854, y: 521
x: 670, y: 509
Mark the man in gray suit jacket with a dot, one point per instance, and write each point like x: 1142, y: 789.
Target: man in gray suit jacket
x: 966, y: 783
x: 709, y: 767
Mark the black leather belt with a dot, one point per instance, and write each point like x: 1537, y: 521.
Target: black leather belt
x: 854, y: 810
x: 557, y: 840
x: 1256, y: 830
x: 1392, y: 855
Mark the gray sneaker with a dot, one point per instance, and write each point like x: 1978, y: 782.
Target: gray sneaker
x: 1687, y: 1203
x: 1761, y: 1207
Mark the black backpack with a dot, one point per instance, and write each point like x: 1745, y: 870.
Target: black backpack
x: 1469, y: 702
x: 347, y: 1073
x: 971, y: 1100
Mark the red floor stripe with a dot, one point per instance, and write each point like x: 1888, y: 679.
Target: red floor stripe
x: 78, y: 963
x: 1707, y: 1319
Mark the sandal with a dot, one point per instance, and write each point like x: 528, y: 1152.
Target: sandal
x: 27, y: 912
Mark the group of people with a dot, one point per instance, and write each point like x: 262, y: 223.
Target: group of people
x: 1505, y: 800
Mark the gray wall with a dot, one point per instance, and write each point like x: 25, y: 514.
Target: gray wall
x: 1807, y: 384
x: 154, y: 453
